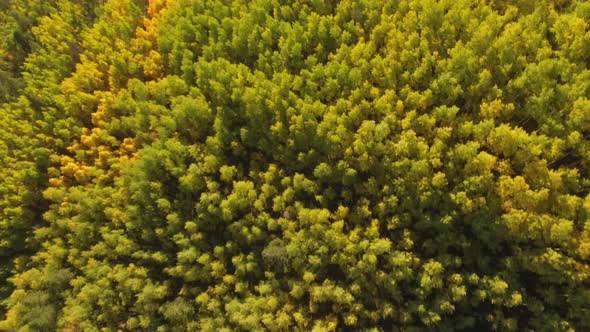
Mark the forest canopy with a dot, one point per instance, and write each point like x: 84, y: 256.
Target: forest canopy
x: 310, y: 165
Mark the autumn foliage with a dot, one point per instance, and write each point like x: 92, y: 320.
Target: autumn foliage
x: 313, y: 165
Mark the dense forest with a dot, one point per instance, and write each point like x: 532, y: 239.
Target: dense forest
x: 310, y: 165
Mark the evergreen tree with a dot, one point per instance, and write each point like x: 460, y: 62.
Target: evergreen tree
x: 309, y: 165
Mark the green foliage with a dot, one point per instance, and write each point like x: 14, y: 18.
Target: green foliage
x: 307, y: 165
